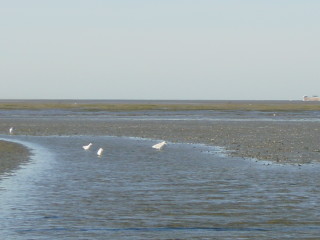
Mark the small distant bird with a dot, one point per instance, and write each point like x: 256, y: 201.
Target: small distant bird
x: 100, y: 151
x: 11, y: 130
x: 159, y: 146
x: 87, y: 147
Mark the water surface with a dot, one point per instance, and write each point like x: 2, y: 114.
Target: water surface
x: 185, y: 191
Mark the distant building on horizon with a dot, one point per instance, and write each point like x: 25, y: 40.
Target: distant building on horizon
x: 313, y: 98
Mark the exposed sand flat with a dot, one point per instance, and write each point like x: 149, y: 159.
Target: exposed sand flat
x: 292, y: 142
x: 12, y: 155
x: 280, y: 141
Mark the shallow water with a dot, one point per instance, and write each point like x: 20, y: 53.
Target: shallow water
x: 185, y: 191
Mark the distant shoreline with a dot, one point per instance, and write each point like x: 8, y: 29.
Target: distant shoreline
x: 167, y: 105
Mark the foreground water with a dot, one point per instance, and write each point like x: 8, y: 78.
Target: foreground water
x: 185, y: 191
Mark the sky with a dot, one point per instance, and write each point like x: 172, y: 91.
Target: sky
x: 159, y: 49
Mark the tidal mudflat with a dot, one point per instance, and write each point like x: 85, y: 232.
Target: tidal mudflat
x: 283, y: 131
x: 12, y: 155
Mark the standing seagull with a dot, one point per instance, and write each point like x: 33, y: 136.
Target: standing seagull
x: 100, y: 151
x: 159, y: 146
x: 87, y: 147
x: 11, y: 130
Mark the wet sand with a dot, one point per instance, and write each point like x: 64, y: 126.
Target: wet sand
x: 284, y: 142
x: 12, y: 155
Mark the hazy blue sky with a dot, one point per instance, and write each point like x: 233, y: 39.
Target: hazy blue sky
x: 159, y: 49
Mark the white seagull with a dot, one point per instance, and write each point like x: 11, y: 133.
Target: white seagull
x: 11, y: 130
x: 87, y: 147
x: 100, y: 151
x: 159, y: 146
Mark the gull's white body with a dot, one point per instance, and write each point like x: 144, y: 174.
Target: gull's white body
x: 159, y: 146
x: 100, y: 151
x: 87, y: 147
